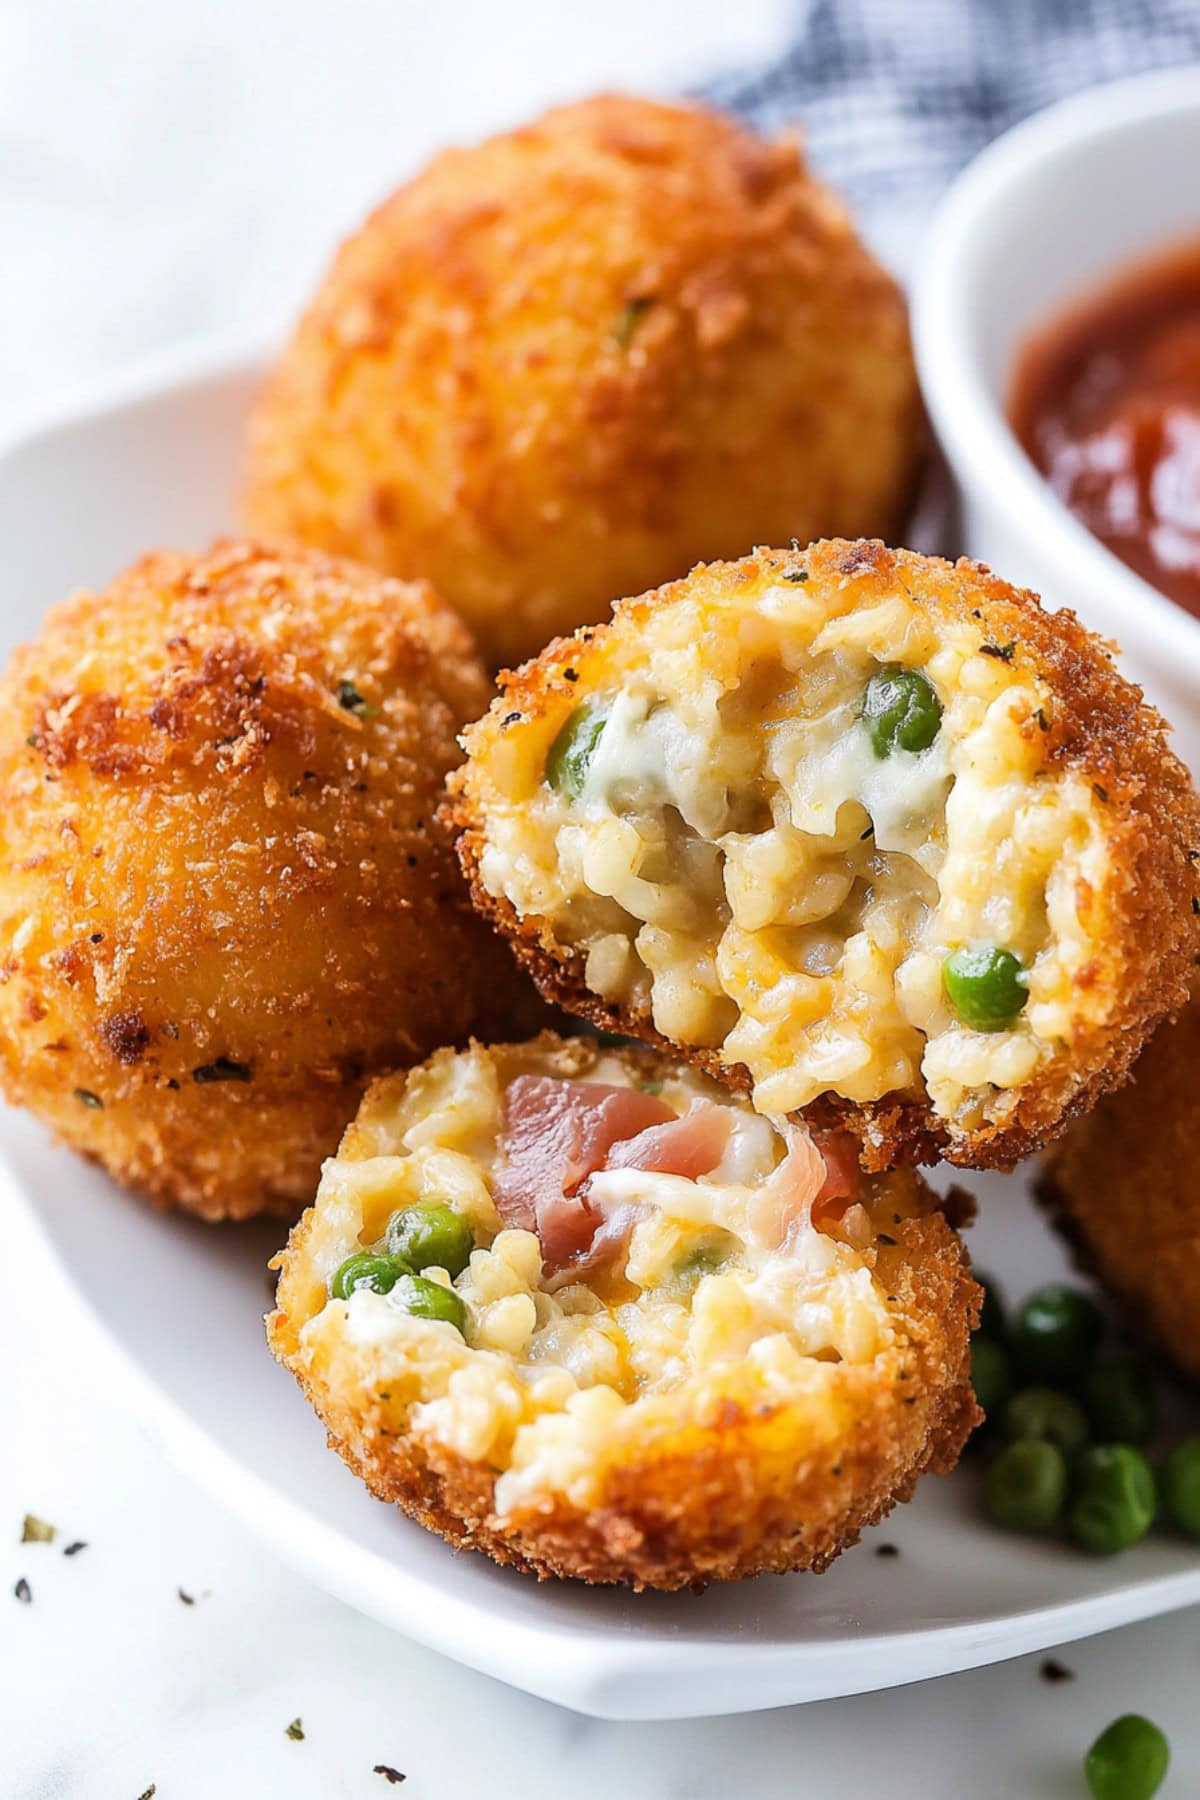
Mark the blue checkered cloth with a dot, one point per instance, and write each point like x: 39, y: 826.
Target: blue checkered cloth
x: 894, y: 96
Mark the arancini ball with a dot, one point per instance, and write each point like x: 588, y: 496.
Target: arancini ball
x: 225, y: 899
x: 1122, y: 1187
x: 866, y: 832
x: 570, y: 362
x: 586, y: 1311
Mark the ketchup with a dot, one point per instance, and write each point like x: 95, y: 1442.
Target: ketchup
x: 1106, y: 402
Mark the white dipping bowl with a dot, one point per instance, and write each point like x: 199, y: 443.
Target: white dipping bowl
x: 1050, y: 211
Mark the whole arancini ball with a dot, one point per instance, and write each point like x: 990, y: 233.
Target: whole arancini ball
x: 1122, y: 1188
x: 571, y: 362
x: 225, y: 900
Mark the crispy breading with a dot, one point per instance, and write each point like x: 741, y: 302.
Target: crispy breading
x: 708, y: 1494
x: 1140, y: 926
x: 1123, y: 1188
x: 564, y: 364
x: 225, y: 900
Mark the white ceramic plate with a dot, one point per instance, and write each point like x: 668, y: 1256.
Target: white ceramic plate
x: 179, y: 1305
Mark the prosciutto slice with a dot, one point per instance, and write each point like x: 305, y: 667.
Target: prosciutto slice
x: 559, y: 1133
x: 556, y: 1134
x: 818, y: 1178
x: 691, y: 1146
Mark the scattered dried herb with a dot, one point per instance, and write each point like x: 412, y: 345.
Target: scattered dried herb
x: 1052, y: 1670
x: 295, y: 1731
x: 74, y: 1547
x: 1101, y: 793
x: 224, y: 1069
x: 1043, y: 721
x: 512, y: 718
x: 1002, y: 652
x: 24, y: 1592
x: 149, y: 1792
x: 37, y: 1531
x: 86, y: 1097
x: 1195, y: 904
x: 188, y: 1599
x: 388, y: 1773
x: 349, y: 697
x: 570, y: 674
x: 864, y: 835
x: 885, y: 1239
x: 627, y: 319
x: 97, y: 937
x: 795, y: 574
x: 887, y: 1550
x: 31, y: 738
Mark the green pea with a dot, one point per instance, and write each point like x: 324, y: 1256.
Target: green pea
x: 1128, y: 1761
x: 985, y: 986
x: 1181, y: 1486
x: 1114, y: 1499
x: 990, y: 1375
x: 901, y: 710
x: 1119, y: 1397
x: 706, y: 1259
x: 430, y: 1234
x: 1026, y: 1486
x: 430, y: 1300
x: 1047, y: 1416
x: 378, y: 1274
x: 1055, y: 1333
x: 571, y: 753
x: 991, y: 1319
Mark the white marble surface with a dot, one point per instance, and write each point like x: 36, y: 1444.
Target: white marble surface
x: 180, y: 169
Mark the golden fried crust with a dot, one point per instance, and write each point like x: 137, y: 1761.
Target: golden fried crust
x: 737, y: 1496
x: 1101, y: 729
x: 225, y: 901
x: 564, y: 365
x: 1122, y: 1187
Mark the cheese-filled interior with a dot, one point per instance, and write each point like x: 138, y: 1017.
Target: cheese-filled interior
x: 820, y: 836
x: 540, y: 1258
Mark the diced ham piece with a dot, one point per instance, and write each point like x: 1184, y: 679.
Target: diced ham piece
x: 558, y: 1133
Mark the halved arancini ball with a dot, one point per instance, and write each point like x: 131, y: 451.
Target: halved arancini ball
x: 868, y: 833
x: 225, y: 899
x: 583, y: 1309
x: 563, y: 365
x: 1123, y: 1186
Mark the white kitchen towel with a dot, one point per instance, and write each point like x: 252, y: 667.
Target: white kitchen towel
x: 893, y: 96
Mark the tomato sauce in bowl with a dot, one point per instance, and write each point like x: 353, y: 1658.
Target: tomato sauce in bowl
x: 1106, y: 402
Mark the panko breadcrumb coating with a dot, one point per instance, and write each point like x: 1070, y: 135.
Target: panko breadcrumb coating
x: 565, y: 364
x: 867, y: 833
x: 1123, y: 1186
x: 688, y: 1344
x: 225, y: 900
